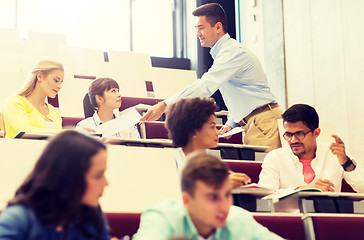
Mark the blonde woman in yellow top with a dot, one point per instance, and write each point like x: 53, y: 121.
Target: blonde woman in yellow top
x: 28, y: 111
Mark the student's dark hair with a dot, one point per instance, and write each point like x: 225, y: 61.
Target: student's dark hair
x: 97, y: 87
x: 186, y: 116
x: 214, y: 13
x: 304, y: 113
x: 55, y: 187
x: 206, y: 168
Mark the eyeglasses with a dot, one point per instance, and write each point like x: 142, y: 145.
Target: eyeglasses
x: 300, y: 135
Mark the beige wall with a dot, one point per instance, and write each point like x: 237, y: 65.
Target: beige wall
x: 323, y: 58
x: 324, y: 46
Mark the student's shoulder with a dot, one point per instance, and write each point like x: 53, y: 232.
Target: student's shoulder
x: 168, y: 206
x: 17, y: 214
x: 238, y: 214
x: 16, y: 102
x: 170, y: 211
x: 15, y: 98
x: 87, y: 122
x: 278, y: 153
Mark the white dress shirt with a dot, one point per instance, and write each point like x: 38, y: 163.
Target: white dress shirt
x: 94, y: 121
x: 281, y: 169
x: 239, y: 76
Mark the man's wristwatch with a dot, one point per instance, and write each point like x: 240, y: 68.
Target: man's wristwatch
x: 348, y: 165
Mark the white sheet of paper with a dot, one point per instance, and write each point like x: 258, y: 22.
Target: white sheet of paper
x: 232, y: 132
x: 127, y: 118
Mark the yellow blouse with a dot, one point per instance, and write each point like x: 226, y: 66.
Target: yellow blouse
x: 21, y: 116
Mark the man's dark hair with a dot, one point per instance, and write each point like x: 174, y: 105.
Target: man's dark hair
x: 186, y: 116
x: 304, y: 113
x: 206, y: 168
x: 214, y: 13
x: 55, y: 187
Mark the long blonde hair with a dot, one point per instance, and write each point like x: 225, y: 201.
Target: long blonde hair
x: 44, y: 65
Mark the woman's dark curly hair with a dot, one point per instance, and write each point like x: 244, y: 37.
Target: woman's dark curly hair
x: 186, y: 116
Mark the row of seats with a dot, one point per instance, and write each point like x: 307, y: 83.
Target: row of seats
x: 288, y: 226
x: 326, y: 226
x: 133, y: 71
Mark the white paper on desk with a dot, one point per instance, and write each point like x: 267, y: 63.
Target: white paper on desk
x: 232, y: 132
x: 126, y: 119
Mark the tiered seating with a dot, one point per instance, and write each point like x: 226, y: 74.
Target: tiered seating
x: 127, y: 102
x: 287, y: 226
x: 151, y: 130
x: 167, y: 82
x: 133, y: 173
x: 123, y: 224
x: 70, y: 122
x: 251, y: 168
x: 158, y: 130
x: 130, y: 70
x: 338, y: 226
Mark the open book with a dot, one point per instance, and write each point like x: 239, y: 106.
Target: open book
x: 280, y: 194
x: 253, y: 189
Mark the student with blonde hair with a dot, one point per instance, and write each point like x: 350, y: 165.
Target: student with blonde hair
x: 27, y: 110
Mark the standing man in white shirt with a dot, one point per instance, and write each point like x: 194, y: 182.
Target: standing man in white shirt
x: 308, y: 163
x: 239, y: 76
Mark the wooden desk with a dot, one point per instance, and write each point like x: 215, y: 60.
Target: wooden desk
x: 303, y: 201
x: 138, y: 176
x: 227, y: 150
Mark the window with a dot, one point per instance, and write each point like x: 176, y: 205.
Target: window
x: 124, y: 25
x: 153, y: 27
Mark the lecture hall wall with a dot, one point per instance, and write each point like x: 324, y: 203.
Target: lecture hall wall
x: 324, y: 53
x: 312, y: 52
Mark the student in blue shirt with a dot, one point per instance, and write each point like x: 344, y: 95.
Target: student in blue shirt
x: 206, y: 210
x: 60, y: 197
x: 103, y: 103
x: 239, y: 76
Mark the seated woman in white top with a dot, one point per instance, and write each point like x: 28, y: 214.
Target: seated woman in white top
x: 105, y: 100
x: 191, y: 124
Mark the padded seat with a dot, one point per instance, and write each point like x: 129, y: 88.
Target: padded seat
x: 288, y: 227
x: 70, y: 121
x: 251, y: 168
x: 123, y: 224
x: 340, y: 226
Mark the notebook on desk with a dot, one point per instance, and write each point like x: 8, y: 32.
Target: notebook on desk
x: 46, y: 135
x: 253, y: 189
x: 35, y: 135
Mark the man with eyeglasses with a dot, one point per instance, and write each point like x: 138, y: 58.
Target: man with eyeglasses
x: 308, y: 163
